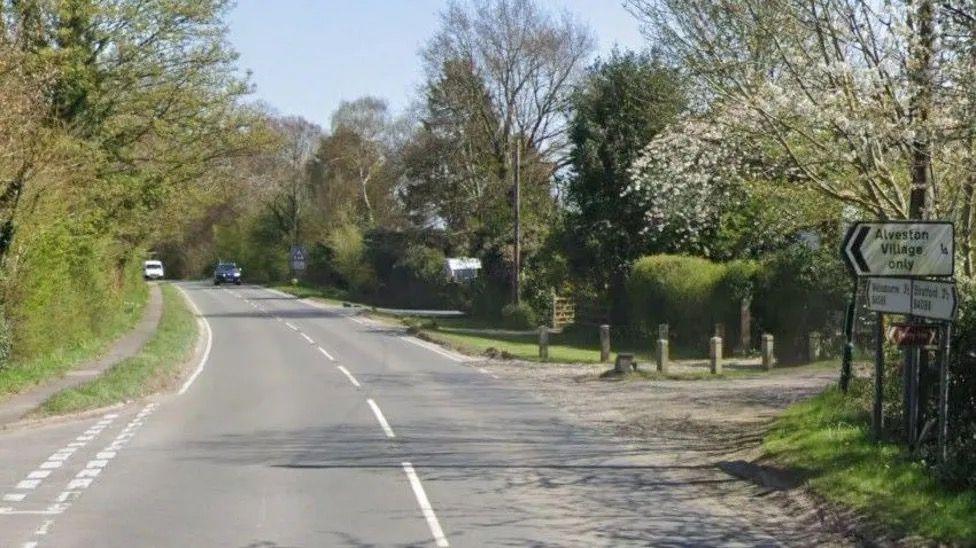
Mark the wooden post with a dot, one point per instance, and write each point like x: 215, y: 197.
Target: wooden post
x: 715, y: 354
x: 555, y: 303
x: 745, y: 324
x: 543, y: 342
x: 662, y: 356
x: 768, y: 357
x: 604, y: 343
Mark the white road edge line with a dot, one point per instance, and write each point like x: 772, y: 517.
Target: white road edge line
x: 206, y: 350
x: 433, y: 348
x: 382, y: 420
x: 351, y: 378
x: 425, y: 507
x: 326, y: 354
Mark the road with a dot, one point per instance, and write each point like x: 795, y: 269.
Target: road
x: 309, y: 426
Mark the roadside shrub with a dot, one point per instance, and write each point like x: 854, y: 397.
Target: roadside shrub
x: 68, y: 282
x: 960, y: 471
x: 5, y: 342
x: 519, y: 316
x: 417, y: 279
x: 800, y: 290
x: 349, y: 250
x: 678, y: 290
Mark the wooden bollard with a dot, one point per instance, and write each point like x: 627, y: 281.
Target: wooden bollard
x: 768, y: 358
x: 813, y: 347
x: 662, y: 356
x: 543, y: 342
x: 604, y: 343
x: 663, y: 331
x: 715, y: 354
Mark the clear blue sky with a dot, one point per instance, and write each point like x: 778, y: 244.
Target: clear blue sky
x: 308, y: 55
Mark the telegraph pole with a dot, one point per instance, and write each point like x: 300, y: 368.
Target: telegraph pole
x: 517, y: 195
x: 916, y: 359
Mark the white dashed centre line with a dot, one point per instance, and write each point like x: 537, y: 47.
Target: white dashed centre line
x: 350, y: 377
x: 382, y: 420
x: 326, y: 354
x: 307, y: 338
x: 425, y: 507
x: 291, y: 326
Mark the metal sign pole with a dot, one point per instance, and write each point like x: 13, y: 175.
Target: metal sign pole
x: 911, y: 409
x: 845, y: 370
x: 878, y: 414
x: 944, y: 391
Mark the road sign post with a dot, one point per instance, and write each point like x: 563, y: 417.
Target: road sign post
x: 897, y: 257
x: 878, y: 410
x: 944, y: 392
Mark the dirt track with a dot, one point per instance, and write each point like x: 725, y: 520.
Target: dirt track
x: 715, y: 426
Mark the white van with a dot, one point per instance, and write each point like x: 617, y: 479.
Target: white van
x: 152, y: 270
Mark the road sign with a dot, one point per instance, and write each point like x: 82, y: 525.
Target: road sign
x: 890, y: 295
x: 935, y: 300
x: 298, y: 257
x: 911, y: 335
x: 900, y: 248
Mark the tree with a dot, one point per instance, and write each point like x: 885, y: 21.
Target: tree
x: 527, y: 60
x: 287, y: 172
x: 842, y: 90
x: 360, y: 151
x: 450, y: 165
x: 869, y: 105
x: 146, y: 91
x: 623, y: 103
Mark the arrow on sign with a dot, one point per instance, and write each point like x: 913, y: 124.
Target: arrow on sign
x: 853, y: 249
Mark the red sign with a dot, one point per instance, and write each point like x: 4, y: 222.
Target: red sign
x: 911, y: 335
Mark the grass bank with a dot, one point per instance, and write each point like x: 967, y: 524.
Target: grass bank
x: 827, y: 439
x: 571, y: 346
x: 23, y: 373
x: 154, y: 368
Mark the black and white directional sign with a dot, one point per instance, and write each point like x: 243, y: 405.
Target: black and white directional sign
x: 900, y: 248
x: 935, y: 300
x: 888, y: 295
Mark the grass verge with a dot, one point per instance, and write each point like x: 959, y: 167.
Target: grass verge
x: 154, y: 368
x: 827, y: 440
x: 327, y: 294
x: 23, y: 374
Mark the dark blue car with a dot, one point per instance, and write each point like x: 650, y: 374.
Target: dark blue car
x: 227, y: 273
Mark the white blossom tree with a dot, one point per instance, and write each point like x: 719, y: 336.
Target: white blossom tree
x: 683, y: 181
x: 867, y: 102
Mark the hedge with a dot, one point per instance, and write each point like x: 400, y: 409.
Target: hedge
x: 690, y: 294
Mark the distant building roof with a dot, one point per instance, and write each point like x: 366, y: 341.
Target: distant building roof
x: 462, y: 269
x: 464, y: 263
